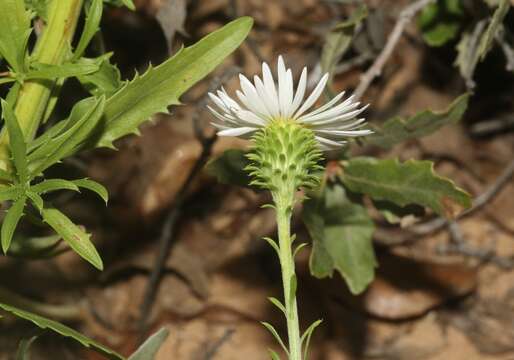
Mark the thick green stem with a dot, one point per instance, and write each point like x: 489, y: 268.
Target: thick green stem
x: 52, y: 47
x: 284, y: 206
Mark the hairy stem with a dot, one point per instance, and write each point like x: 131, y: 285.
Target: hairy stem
x: 284, y: 203
x: 52, y: 47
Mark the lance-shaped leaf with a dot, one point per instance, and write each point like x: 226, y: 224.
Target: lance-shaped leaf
x: 339, y: 39
x: 16, y: 141
x: 486, y: 41
x: 397, y: 129
x: 162, y: 86
x: 65, y: 137
x: 151, y: 346
x: 45, y: 323
x: 10, y: 193
x: 93, y: 186
x: 27, y: 247
x: 341, y: 233
x: 91, y: 26
x: 411, y: 182
x: 14, y: 32
x: 23, y: 352
x: 10, y: 222
x: 50, y: 185
x: 52, y: 72
x: 76, y: 238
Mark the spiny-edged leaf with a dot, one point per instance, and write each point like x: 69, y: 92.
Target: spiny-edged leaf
x: 162, y: 86
x: 45, y: 323
x: 306, y: 338
x: 76, y: 238
x: 440, y: 21
x: 229, y: 168
x: 92, y: 185
x: 339, y: 39
x: 278, y: 304
x: 46, y: 71
x: 341, y: 233
x: 28, y: 247
x: 91, y: 26
x: 23, y: 352
x: 275, y: 334
x: 486, y: 41
x: 53, y: 185
x: 16, y: 141
x: 36, y: 200
x: 151, y: 346
x: 273, y: 355
x: 10, y: 222
x: 14, y: 32
x: 411, y: 182
x: 397, y: 129
x: 84, y: 117
x: 105, y: 81
x: 10, y: 193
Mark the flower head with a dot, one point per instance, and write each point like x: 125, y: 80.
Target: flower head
x: 262, y: 103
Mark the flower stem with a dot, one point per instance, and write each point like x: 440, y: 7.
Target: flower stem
x: 284, y: 205
x: 52, y: 47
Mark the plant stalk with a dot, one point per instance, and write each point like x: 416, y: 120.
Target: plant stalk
x: 284, y: 206
x: 53, y: 47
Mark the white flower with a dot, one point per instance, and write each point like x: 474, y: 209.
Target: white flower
x: 262, y: 103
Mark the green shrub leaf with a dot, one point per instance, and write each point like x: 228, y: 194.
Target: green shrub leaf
x: 91, y: 26
x: 105, y: 81
x: 76, y: 238
x: 16, y: 141
x: 52, y: 72
x: 10, y: 222
x: 92, y: 185
x: 440, y: 21
x: 151, y: 346
x: 14, y: 33
x: 341, y: 233
x: 397, y: 129
x: 50, y: 185
x: 162, y: 86
x: 411, y: 182
x: 59, y: 328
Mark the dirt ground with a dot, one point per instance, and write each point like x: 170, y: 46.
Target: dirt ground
x: 434, y: 297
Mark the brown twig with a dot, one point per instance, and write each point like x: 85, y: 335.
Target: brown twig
x: 376, y: 69
x: 168, y: 227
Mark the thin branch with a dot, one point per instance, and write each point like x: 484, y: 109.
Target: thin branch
x: 376, y: 69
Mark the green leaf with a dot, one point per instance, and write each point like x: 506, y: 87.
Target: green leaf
x: 275, y: 334
x: 341, y: 233
x: 91, y: 26
x: 278, y: 304
x: 306, y: 338
x: 50, y: 185
x: 6, y: 176
x: 476, y: 44
x: 486, y: 41
x: 14, y: 33
x: 394, y: 213
x: 119, y: 3
x: 16, y: 141
x: 46, y: 71
x: 339, y: 39
x: 397, y: 129
x: 273, y: 355
x: 23, y: 352
x: 10, y: 193
x: 411, y: 182
x: 38, y: 8
x: 105, y: 81
x: 59, y: 328
x: 92, y: 185
x: 31, y: 247
x: 76, y: 238
x: 161, y: 86
x: 151, y: 346
x: 440, y: 21
x: 36, y: 200
x: 65, y: 137
x: 228, y: 168
x: 10, y: 222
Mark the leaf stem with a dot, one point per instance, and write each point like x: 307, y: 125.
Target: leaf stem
x: 52, y: 48
x: 284, y: 201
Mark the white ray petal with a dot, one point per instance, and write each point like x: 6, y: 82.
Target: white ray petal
x: 267, y: 100
x: 349, y: 133
x: 236, y: 131
x: 329, y: 143
x: 253, y: 101
x: 335, y: 111
x: 327, y: 106
x: 346, y: 125
x: 300, y: 92
x: 250, y: 117
x: 339, y: 118
x: 313, y: 96
x: 218, y: 102
x: 269, y: 86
